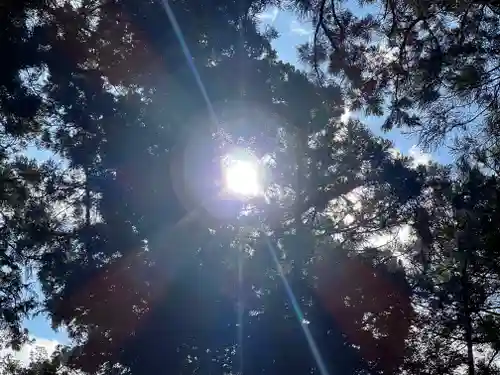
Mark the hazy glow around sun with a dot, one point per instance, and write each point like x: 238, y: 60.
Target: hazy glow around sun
x: 241, y: 175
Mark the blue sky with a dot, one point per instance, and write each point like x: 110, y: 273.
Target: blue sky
x: 292, y: 33
x: 39, y: 326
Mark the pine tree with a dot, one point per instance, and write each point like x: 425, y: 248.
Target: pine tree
x: 431, y: 68
x: 149, y: 275
x: 40, y: 364
x: 456, y: 296
x: 155, y: 270
x: 426, y: 66
x: 27, y: 223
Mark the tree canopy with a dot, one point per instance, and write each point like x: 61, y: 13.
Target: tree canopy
x: 152, y: 265
x: 431, y: 67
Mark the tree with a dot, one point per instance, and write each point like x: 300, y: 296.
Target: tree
x: 431, y: 67
x: 457, y: 293
x: 40, y: 364
x: 159, y: 273
x: 156, y: 270
x: 26, y: 220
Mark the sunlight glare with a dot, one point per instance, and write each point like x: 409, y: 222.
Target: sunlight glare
x: 241, y: 175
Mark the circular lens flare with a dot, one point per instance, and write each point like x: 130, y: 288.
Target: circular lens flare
x: 241, y: 175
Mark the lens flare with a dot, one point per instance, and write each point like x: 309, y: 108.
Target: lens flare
x: 241, y: 175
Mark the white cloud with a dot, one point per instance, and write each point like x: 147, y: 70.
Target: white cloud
x: 419, y: 157
x: 299, y: 29
x: 24, y: 354
x: 389, y: 54
x: 382, y: 56
x: 349, y: 219
x: 406, y: 234
x: 268, y: 16
x: 346, y: 115
x: 403, y: 234
x: 395, y: 152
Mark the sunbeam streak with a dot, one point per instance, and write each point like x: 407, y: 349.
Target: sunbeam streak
x: 310, y: 340
x: 240, y: 308
x: 189, y: 59
x: 300, y: 316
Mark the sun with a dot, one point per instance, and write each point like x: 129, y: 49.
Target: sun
x: 242, y: 178
x: 241, y: 175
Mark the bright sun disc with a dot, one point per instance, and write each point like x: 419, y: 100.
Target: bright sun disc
x: 242, y: 176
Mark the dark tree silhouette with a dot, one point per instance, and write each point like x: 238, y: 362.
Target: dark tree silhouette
x: 155, y: 269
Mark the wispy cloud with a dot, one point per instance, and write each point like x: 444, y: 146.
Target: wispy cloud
x: 419, y: 157
x: 299, y: 29
x: 269, y: 16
